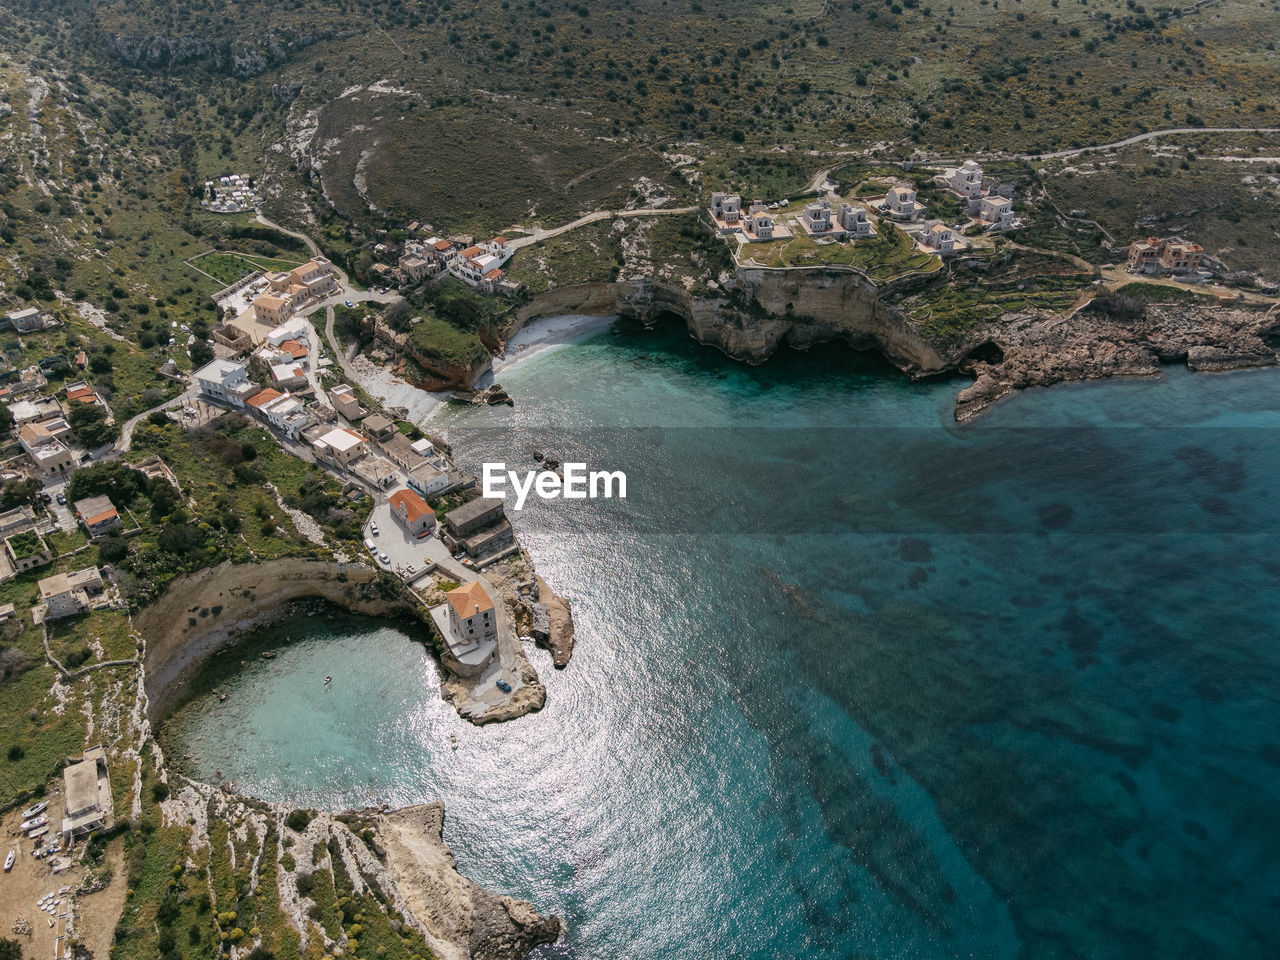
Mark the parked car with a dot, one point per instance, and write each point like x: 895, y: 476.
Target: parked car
x: 371, y: 546
x: 373, y: 528
x: 62, y: 498
x: 350, y: 304
x: 383, y: 558
x: 410, y: 569
x: 504, y: 686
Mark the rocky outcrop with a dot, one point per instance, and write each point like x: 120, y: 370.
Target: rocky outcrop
x: 431, y: 373
x: 760, y: 311
x: 242, y: 58
x: 1043, y: 350
x: 462, y: 919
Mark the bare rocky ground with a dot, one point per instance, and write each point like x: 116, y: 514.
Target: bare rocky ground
x: 1037, y: 351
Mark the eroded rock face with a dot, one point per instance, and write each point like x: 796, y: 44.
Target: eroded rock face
x: 761, y: 311
x: 1039, y: 351
x: 240, y: 58
x: 463, y: 919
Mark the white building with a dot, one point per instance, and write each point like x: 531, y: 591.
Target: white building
x: 964, y: 180
x: 726, y: 209
x: 853, y: 219
x: 226, y: 381
x: 995, y: 211
x: 941, y: 238
x: 758, y: 224
x: 287, y: 414
x: 901, y: 202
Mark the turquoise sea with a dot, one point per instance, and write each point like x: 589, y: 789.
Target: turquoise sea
x: 852, y: 681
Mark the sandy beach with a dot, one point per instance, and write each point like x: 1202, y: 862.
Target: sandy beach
x: 392, y: 391
x: 547, y: 333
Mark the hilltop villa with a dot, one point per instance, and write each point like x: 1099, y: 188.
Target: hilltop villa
x: 965, y: 180
x: 1164, y: 255
x: 900, y: 203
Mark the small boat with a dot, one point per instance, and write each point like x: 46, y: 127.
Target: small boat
x: 453, y: 743
x: 37, y: 832
x: 33, y: 823
x: 268, y: 655
x: 222, y: 698
x: 8, y: 861
x: 35, y: 810
x: 327, y: 679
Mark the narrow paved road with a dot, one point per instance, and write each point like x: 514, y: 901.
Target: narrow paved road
x: 121, y: 446
x: 1139, y: 137
x: 538, y: 234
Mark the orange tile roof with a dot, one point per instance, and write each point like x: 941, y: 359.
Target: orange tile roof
x: 102, y: 517
x: 294, y: 349
x: 442, y: 244
x: 494, y: 274
x: 84, y: 394
x: 499, y: 239
x: 265, y: 397
x: 412, y: 505
x: 469, y: 600
x: 472, y: 252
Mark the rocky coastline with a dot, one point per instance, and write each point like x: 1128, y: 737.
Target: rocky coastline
x: 759, y: 312
x: 401, y: 854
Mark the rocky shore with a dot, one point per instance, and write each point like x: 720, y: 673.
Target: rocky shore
x: 1035, y: 351
x: 401, y: 857
x: 761, y: 311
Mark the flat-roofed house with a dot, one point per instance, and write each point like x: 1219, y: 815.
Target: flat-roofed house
x: 226, y: 381
x: 429, y: 480
x: 412, y: 512
x: 378, y: 426
x: 996, y: 211
x: 941, y: 238
x: 726, y: 208
x: 67, y: 594
x: 475, y: 515
x: 964, y: 180
x: 86, y: 791
x: 900, y: 202
x: 854, y: 220
x: 341, y: 446
x: 344, y: 401
x: 99, y: 516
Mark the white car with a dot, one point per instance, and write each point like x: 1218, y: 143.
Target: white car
x: 373, y: 528
x: 383, y: 558
x: 371, y: 546
x: 410, y: 569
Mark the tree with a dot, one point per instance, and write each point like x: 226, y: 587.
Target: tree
x: 116, y: 480
x: 17, y: 492
x: 6, y: 418
x: 113, y: 549
x: 89, y: 421
x: 10, y: 950
x: 201, y: 353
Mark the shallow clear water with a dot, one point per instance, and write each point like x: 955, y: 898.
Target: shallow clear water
x: 851, y: 681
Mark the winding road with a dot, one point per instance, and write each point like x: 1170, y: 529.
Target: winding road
x: 1139, y: 137
x: 538, y: 234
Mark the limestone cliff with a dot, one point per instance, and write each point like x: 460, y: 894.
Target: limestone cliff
x: 206, y: 610
x: 758, y: 311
